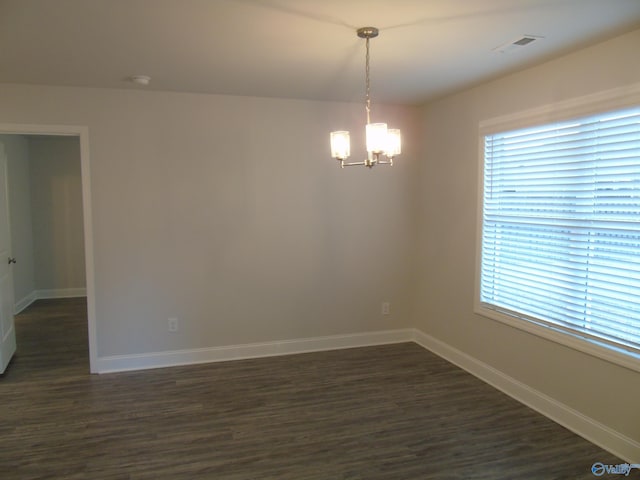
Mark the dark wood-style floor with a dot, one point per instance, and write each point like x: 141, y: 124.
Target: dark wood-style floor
x: 388, y: 412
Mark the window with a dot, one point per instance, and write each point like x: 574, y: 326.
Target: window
x: 560, y: 230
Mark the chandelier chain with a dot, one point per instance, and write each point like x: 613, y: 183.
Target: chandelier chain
x: 368, y: 87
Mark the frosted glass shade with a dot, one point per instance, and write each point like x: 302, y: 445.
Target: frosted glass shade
x: 394, y: 143
x: 340, y: 145
x: 376, y: 137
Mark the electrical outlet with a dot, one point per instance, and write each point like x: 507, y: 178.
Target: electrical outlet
x: 173, y: 325
x: 386, y: 308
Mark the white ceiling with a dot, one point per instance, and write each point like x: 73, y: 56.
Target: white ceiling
x: 293, y: 48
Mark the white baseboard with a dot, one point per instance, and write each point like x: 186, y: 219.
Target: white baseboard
x: 51, y: 293
x: 588, y: 428
x: 24, y: 303
x: 620, y: 445
x: 119, y: 363
x: 61, y: 293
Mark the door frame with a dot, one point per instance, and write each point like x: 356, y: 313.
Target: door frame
x: 7, y: 338
x: 82, y: 133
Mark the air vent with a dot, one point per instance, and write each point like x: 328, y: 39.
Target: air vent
x: 524, y: 41
x: 517, y: 44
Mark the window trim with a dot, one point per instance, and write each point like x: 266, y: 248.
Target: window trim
x: 618, y: 98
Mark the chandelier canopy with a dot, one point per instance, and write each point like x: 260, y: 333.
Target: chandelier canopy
x: 381, y: 141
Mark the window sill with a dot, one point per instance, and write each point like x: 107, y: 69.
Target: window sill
x: 617, y: 356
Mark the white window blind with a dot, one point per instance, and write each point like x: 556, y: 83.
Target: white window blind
x: 561, y: 226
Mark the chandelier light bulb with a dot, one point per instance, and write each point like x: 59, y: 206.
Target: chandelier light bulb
x: 376, y: 137
x: 394, y: 143
x: 340, y: 145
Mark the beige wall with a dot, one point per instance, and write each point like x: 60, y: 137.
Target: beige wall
x: 228, y: 213
x: 448, y: 205
x: 56, y: 211
x: 19, y: 191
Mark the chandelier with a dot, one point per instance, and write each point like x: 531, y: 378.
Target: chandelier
x: 382, y: 142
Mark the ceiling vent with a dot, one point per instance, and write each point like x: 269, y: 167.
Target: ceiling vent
x: 517, y: 44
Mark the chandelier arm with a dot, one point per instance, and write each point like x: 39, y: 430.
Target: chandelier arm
x: 351, y: 164
x: 367, y: 162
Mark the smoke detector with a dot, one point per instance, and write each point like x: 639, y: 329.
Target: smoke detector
x: 517, y: 44
x: 140, y: 79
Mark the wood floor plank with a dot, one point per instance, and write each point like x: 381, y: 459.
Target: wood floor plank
x: 387, y: 412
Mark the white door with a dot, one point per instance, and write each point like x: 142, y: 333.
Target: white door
x: 7, y: 330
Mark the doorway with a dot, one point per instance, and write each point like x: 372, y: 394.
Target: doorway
x: 80, y: 134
